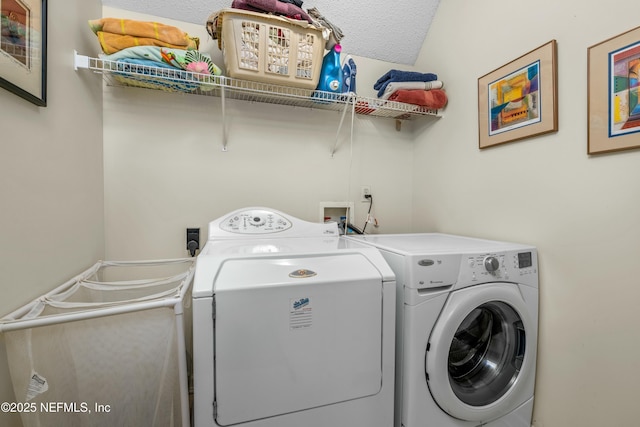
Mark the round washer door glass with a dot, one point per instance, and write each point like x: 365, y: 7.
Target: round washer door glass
x: 486, y: 353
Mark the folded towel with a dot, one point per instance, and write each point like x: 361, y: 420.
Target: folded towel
x: 146, y: 63
x: 401, y: 76
x: 296, y: 2
x: 178, y: 58
x: 435, y: 98
x: 151, y: 53
x: 321, y: 21
x: 145, y: 30
x: 144, y: 77
x: 144, y: 73
x: 394, y: 86
x: 273, y: 6
x: 112, y: 43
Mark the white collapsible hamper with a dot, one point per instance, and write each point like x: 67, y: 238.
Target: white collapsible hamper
x: 107, y: 348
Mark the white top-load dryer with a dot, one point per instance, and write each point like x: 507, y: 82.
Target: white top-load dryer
x: 467, y: 329
x: 290, y: 330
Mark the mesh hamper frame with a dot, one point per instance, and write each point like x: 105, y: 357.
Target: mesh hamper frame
x: 139, y: 320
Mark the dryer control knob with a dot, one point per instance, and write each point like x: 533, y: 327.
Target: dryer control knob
x: 491, y: 263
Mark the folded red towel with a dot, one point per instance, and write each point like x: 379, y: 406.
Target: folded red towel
x: 434, y: 98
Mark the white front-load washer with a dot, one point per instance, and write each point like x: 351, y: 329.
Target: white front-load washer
x: 290, y: 329
x: 467, y: 325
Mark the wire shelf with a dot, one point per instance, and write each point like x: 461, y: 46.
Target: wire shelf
x: 120, y: 74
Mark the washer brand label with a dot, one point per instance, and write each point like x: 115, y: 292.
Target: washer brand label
x: 426, y: 262
x: 300, y: 313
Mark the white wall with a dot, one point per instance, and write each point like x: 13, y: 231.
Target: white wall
x: 51, y: 177
x: 582, y: 212
x: 165, y: 169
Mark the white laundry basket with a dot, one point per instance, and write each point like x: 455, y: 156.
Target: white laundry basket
x: 107, y: 348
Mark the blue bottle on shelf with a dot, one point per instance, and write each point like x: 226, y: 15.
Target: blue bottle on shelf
x: 330, y: 74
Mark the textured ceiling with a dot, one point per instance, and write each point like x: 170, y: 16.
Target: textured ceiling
x: 384, y: 30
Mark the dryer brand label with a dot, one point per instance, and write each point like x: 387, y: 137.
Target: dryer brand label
x: 300, y: 303
x: 300, y: 313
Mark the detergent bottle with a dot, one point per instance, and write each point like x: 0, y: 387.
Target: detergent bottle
x: 331, y: 72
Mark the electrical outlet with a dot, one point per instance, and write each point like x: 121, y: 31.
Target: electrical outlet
x: 193, y: 240
x: 365, y: 191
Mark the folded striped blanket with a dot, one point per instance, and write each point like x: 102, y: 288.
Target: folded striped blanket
x: 116, y: 34
x: 142, y: 66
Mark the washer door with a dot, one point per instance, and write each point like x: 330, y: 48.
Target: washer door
x: 481, y: 357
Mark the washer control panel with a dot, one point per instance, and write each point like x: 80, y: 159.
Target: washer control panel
x: 255, y: 222
x: 501, y: 265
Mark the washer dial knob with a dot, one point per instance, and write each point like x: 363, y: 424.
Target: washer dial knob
x: 491, y: 263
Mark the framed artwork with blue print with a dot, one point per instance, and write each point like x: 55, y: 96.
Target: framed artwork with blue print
x: 613, y: 91
x: 520, y: 99
x: 23, y: 49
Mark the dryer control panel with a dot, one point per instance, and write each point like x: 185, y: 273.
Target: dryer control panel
x: 258, y: 222
x: 255, y: 222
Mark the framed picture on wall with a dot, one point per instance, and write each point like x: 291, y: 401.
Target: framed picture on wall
x: 23, y: 49
x: 613, y: 91
x: 519, y: 99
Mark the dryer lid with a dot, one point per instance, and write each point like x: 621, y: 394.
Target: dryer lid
x: 282, y: 270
